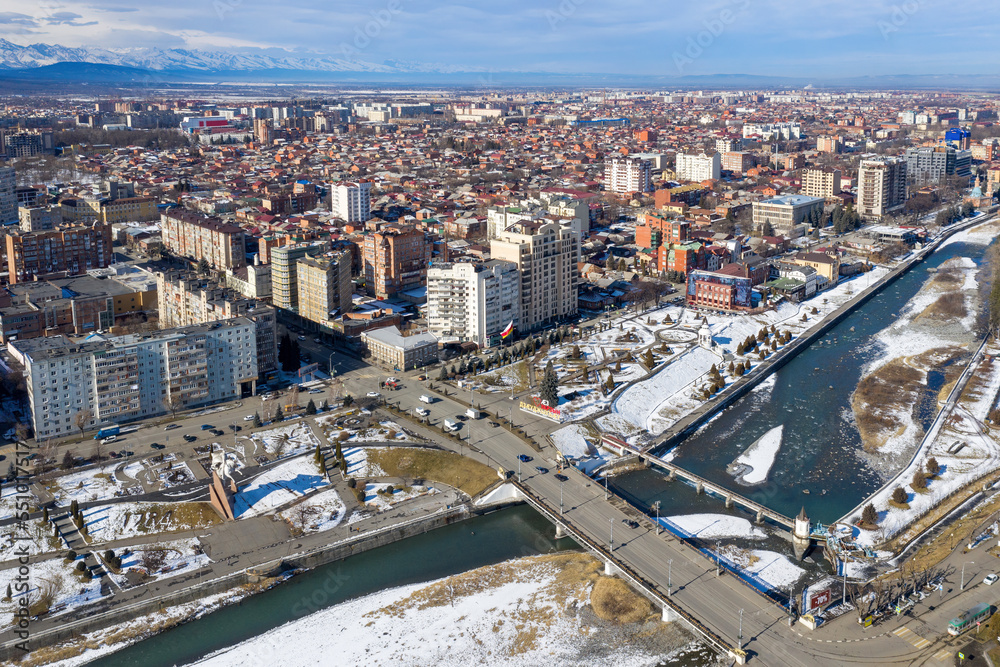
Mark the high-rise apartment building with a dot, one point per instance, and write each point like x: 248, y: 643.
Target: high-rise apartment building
x: 188, y: 234
x: 545, y: 253
x: 185, y: 298
x: 395, y: 259
x: 351, y: 202
x: 8, y: 196
x: 324, y: 287
x: 124, y: 378
x: 881, y: 186
x: 284, y: 271
x: 627, y: 174
x: 738, y: 162
x: 68, y: 250
x: 785, y: 212
x: 930, y: 165
x: 473, y: 301
x: 698, y: 168
x: 821, y: 182
x: 39, y: 218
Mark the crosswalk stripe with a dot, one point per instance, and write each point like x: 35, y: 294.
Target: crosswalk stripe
x: 899, y: 632
x: 922, y: 643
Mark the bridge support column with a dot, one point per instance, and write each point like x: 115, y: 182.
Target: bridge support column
x: 760, y: 517
x: 560, y: 531
x: 609, y: 569
x: 669, y: 615
x: 729, y: 502
x: 699, y: 488
x: 672, y: 475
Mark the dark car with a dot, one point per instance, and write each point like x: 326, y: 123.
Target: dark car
x: 523, y: 458
x: 190, y: 438
x: 561, y: 477
x: 113, y: 455
x: 207, y: 427
x: 126, y: 452
x: 461, y: 418
x: 217, y: 431
x: 156, y: 445
x: 540, y: 470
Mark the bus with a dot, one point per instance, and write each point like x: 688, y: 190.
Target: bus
x: 106, y: 432
x: 970, y: 618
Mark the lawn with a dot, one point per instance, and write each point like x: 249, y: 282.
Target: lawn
x: 432, y: 464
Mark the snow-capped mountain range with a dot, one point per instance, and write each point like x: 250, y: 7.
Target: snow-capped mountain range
x: 15, y: 56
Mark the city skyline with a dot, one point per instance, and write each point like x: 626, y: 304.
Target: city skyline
x: 569, y: 37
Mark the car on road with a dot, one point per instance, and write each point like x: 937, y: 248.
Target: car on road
x: 461, y: 418
x: 207, y: 427
x: 217, y: 431
x: 421, y: 377
x: 315, y: 391
x: 423, y: 412
x: 493, y: 424
x: 990, y: 579
x: 391, y: 379
x: 302, y: 337
x: 523, y: 458
x: 109, y: 439
x: 2, y: 457
x: 266, y: 397
x: 171, y: 427
x: 126, y: 452
x: 248, y: 418
x: 561, y: 477
x: 190, y: 438
x: 113, y: 455
x: 541, y: 471
x: 156, y: 445
x: 317, y: 340
x: 373, y: 394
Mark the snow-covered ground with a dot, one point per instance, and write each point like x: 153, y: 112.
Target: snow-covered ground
x: 321, y: 511
x: 179, y: 557
x: 772, y: 568
x: 753, y: 465
x: 711, y: 526
x: 383, y: 501
x: 515, y: 614
x: 358, y: 464
x: 571, y: 440
x: 84, y: 486
x: 278, y: 486
x: 55, y: 576
x: 117, y: 521
x: 290, y: 440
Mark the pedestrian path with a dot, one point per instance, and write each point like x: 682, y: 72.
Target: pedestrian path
x: 943, y: 656
x: 912, y: 637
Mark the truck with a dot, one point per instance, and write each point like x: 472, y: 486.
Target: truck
x: 426, y: 399
x: 450, y: 425
x: 107, y: 432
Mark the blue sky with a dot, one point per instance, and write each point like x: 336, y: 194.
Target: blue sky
x: 794, y: 38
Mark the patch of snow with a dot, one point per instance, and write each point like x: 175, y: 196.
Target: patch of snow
x: 278, y: 486
x: 382, y: 501
x: 759, y: 457
x: 711, y: 526
x: 572, y: 441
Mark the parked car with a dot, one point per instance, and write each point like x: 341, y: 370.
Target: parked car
x: 990, y: 579
x: 373, y: 394
x: 156, y: 445
x: 317, y: 340
x: 171, y: 427
x: 207, y: 427
x: 248, y: 418
x: 113, y: 454
x: 523, y: 458
x: 109, y: 439
x: 315, y: 391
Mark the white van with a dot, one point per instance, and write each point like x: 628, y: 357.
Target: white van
x: 450, y: 425
x: 426, y: 399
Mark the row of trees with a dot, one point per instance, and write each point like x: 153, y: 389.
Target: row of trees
x: 288, y: 353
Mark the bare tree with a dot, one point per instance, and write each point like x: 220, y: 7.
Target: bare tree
x: 173, y: 403
x: 82, y: 419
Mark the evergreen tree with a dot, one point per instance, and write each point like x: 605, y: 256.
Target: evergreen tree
x: 899, y: 495
x: 919, y: 481
x: 45, y: 515
x: 10, y: 593
x: 324, y: 406
x: 609, y: 384
x: 618, y: 366
x: 279, y: 414
x: 310, y: 407
x: 256, y: 421
x: 932, y: 467
x: 203, y: 267
x: 869, y: 516
x: 576, y: 352
x: 318, y: 454
x: 550, y: 386
x: 443, y: 375
x: 739, y: 349
x: 650, y: 360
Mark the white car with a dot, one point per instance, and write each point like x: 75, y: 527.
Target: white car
x: 109, y: 439
x: 990, y: 579
x: 248, y: 418
x: 423, y: 412
x: 373, y: 394
x: 391, y: 380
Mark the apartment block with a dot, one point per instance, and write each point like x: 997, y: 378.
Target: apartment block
x: 188, y: 234
x: 784, y: 213
x: 737, y: 162
x: 185, y: 298
x: 698, y: 168
x: 821, y: 182
x: 395, y: 259
x: 351, y: 202
x: 117, y: 379
x: 545, y: 253
x: 8, y: 196
x: 473, y: 301
x: 324, y: 287
x: 627, y: 174
x: 70, y: 251
x: 39, y: 218
x: 881, y: 187
x: 284, y: 271
x: 129, y: 209
x: 931, y: 165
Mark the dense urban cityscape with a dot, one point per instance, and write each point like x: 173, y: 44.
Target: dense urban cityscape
x: 310, y: 360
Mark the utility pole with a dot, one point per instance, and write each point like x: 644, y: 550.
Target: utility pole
x: 670, y: 562
x: 611, y: 544
x: 739, y: 642
x: 656, y: 506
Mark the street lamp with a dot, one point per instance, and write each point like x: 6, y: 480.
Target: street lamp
x: 518, y: 469
x: 670, y: 562
x: 611, y: 544
x: 560, y: 498
x: 656, y: 506
x: 718, y: 560
x: 739, y: 642
x: 971, y: 562
x: 329, y: 365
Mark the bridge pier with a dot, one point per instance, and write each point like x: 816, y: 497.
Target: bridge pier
x: 699, y: 488
x: 609, y: 569
x: 729, y: 502
x: 560, y: 531
x: 672, y: 475
x: 760, y: 517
